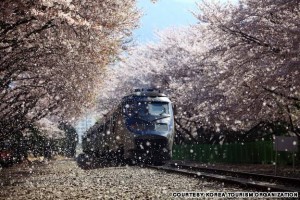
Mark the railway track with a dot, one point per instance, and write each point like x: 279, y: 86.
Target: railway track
x: 260, y: 182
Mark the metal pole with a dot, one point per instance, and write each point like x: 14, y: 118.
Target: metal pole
x: 293, y: 162
x: 276, y: 152
x: 86, y: 122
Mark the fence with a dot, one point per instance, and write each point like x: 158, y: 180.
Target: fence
x: 237, y: 153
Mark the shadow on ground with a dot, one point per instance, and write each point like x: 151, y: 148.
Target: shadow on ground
x: 87, y: 162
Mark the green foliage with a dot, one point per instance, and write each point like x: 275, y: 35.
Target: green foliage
x: 40, y: 145
x: 71, y: 139
x: 259, y: 152
x: 262, y: 131
x: 297, y: 105
x: 36, y: 142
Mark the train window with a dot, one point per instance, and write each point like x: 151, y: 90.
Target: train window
x: 107, y: 126
x: 152, y: 108
x: 129, y: 108
x: 158, y: 108
x: 100, y: 129
x: 142, y: 108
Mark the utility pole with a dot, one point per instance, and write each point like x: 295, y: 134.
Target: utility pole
x: 86, y: 122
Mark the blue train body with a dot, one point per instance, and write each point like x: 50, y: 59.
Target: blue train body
x: 141, y: 128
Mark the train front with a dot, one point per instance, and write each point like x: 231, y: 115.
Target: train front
x: 150, y: 120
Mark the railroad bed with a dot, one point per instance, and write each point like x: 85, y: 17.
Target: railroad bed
x: 63, y: 179
x: 253, y: 179
x: 268, y: 169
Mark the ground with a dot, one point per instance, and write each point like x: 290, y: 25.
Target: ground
x: 63, y: 179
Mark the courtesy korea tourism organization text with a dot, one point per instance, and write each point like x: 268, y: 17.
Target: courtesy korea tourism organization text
x: 236, y: 195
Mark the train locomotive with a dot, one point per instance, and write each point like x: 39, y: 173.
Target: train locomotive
x: 141, y: 128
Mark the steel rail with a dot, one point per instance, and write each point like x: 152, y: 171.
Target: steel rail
x: 260, y: 177
x: 233, y: 178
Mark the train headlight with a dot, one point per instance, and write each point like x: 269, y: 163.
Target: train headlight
x: 161, y: 127
x: 160, y: 121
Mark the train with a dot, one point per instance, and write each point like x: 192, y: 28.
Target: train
x: 140, y: 129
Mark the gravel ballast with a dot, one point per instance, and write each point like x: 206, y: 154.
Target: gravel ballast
x: 63, y: 179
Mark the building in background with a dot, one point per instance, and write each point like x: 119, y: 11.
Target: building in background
x: 84, y: 124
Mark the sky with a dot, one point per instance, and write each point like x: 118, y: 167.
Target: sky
x: 161, y: 15
x: 157, y: 16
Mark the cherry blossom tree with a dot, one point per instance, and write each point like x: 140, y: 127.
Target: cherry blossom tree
x: 258, y: 45
x: 173, y: 65
x: 53, y: 54
x: 234, y: 70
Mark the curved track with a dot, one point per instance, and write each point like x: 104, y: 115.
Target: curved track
x: 259, y: 182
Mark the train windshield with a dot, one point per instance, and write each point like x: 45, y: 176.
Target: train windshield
x: 143, y: 108
x: 153, y: 108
